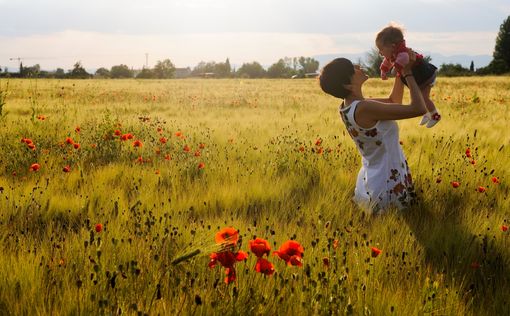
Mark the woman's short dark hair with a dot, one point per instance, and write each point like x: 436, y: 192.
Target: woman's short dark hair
x: 335, y: 75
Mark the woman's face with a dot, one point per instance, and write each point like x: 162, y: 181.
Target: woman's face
x: 359, y: 75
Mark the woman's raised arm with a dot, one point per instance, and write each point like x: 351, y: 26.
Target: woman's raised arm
x: 369, y: 112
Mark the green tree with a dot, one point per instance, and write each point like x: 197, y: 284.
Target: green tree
x: 146, y: 73
x: 78, y: 72
x: 164, y: 69
x: 102, y: 73
x: 32, y: 71
x: 373, y: 62
x: 472, y: 66
x: 223, y: 70
x: 251, y: 70
x: 307, y: 65
x: 121, y: 71
x: 60, y: 73
x: 502, y: 48
x: 202, y: 67
x: 453, y: 70
x: 281, y: 69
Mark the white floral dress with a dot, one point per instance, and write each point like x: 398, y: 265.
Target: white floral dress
x: 384, y: 178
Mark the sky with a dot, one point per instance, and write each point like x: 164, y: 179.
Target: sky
x: 103, y: 33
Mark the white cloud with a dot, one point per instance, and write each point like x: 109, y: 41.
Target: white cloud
x: 450, y: 43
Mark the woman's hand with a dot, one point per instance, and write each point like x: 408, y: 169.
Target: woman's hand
x: 412, y: 60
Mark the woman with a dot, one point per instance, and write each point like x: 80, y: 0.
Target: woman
x: 384, y: 179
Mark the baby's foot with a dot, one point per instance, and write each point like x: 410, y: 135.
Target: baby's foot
x: 434, y: 119
x: 425, y: 118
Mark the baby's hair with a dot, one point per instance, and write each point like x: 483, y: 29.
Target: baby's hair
x: 392, y: 34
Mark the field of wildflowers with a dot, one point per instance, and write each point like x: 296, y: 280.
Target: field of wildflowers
x: 233, y: 197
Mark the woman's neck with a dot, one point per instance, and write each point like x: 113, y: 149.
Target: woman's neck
x: 355, y: 96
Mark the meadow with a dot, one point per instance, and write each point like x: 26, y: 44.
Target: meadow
x: 112, y: 193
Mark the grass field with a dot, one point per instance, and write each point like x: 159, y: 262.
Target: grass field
x: 270, y: 158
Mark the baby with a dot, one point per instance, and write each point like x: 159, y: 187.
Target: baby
x: 392, y: 46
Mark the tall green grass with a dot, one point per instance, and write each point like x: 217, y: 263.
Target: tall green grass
x: 264, y: 175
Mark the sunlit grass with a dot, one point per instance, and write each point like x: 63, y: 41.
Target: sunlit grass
x: 261, y: 171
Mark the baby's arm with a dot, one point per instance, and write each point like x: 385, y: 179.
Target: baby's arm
x: 401, y: 60
x: 385, y: 68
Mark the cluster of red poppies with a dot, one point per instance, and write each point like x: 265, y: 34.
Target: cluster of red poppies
x: 290, y: 251
x: 117, y: 134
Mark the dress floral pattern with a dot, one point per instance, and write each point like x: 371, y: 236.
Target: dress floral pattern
x: 384, y: 178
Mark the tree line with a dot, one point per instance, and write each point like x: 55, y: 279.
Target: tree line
x: 286, y: 67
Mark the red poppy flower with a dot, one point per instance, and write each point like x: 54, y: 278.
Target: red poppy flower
x: 302, y: 148
x: 139, y: 159
x: 93, y: 145
x: 455, y: 184
x: 201, y: 166
x: 201, y: 146
x: 335, y: 243
x: 291, y: 252
x: 375, y: 252
x: 186, y: 148
x: 77, y: 129
x: 137, y: 143
x: 159, y: 129
x: 167, y: 157
x: 320, y: 150
x: 504, y: 228
x: 473, y: 162
x: 69, y: 140
x: 264, y: 266
x: 31, y: 146
x: 260, y: 247
x: 197, y: 153
x: 495, y: 180
x: 66, y: 169
x: 130, y: 136
x: 98, y: 227
x: 26, y: 141
x: 35, y: 167
x: 163, y: 140
x: 468, y: 153
x: 76, y: 146
x: 228, y: 235
x: 318, y: 142
x: 178, y: 134
x: 226, y: 259
x: 157, y: 171
x: 117, y: 132
x: 41, y: 117
x: 481, y: 189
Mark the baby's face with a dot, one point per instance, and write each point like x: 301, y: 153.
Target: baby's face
x: 385, y: 50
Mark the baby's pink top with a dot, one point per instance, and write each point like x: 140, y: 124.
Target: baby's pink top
x: 399, y: 59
